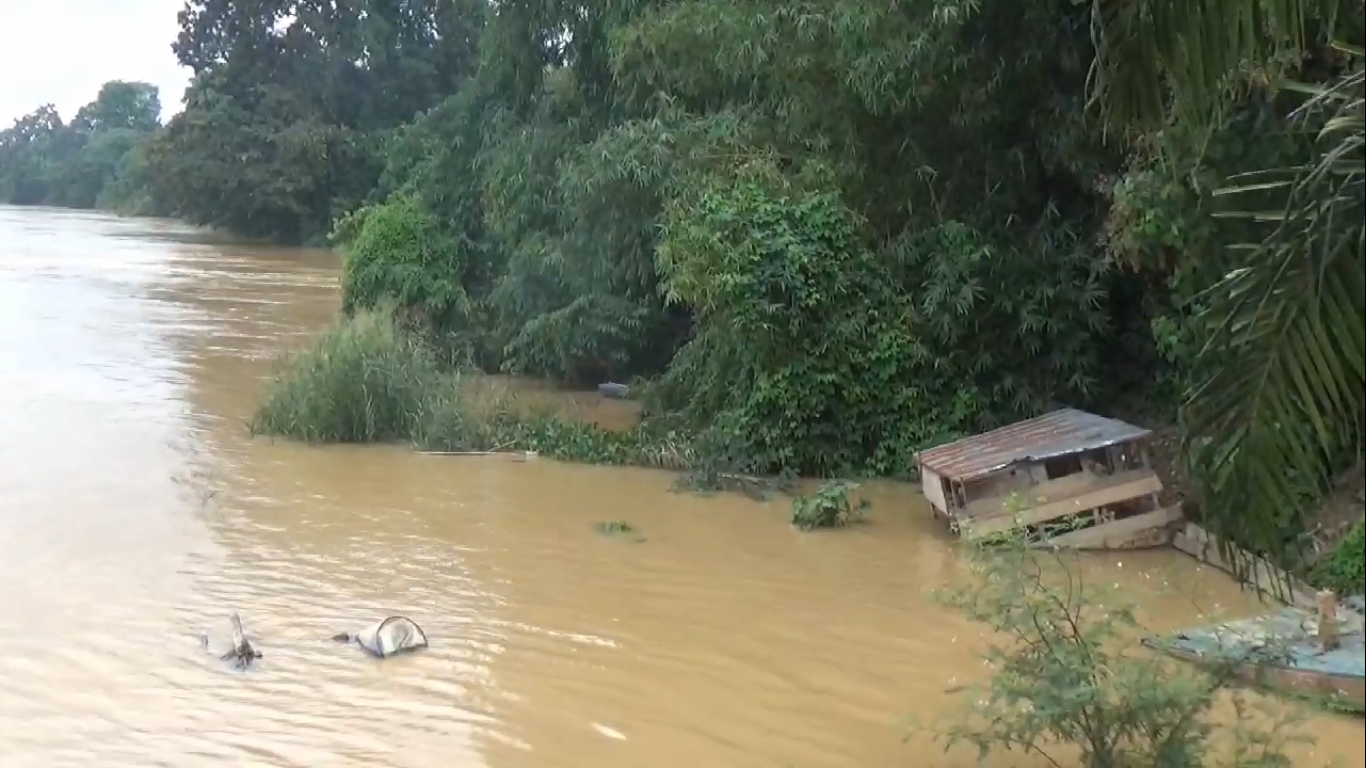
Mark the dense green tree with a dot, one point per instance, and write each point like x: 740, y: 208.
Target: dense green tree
x: 121, y: 106
x: 29, y: 152
x: 44, y: 160
x: 292, y: 102
x: 610, y: 162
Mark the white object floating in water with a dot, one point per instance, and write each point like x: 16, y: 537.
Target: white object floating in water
x: 509, y: 455
x: 395, y: 634
x: 611, y: 733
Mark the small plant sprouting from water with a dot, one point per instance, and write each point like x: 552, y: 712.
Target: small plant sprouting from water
x: 619, y: 529
x: 828, y: 507
x: 1068, y: 676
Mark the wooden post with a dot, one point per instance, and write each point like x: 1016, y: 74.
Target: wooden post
x: 1328, y: 619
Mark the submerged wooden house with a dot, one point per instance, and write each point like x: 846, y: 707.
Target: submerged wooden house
x: 1070, y: 478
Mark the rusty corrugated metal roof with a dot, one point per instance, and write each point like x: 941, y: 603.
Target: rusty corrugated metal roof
x: 1042, y: 437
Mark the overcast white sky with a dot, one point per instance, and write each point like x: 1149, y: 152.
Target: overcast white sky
x: 62, y: 51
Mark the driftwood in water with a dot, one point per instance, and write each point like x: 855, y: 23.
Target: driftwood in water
x: 515, y: 455
x: 243, y: 653
x: 240, y: 650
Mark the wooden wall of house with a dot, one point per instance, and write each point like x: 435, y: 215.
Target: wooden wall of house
x: 1060, y: 498
x: 932, y: 485
x: 1016, y: 479
x: 1114, y: 479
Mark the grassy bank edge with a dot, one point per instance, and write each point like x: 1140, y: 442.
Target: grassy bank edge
x: 367, y: 379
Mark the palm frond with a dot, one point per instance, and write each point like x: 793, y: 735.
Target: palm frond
x: 1288, y: 332
x: 1156, y: 56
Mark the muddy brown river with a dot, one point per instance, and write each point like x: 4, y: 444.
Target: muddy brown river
x: 135, y: 512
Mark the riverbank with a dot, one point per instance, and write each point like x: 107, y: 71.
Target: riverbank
x: 367, y: 379
x: 1335, y: 533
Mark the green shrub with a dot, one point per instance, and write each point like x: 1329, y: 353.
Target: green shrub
x: 801, y: 356
x: 1069, y: 676
x: 364, y: 380
x: 1343, y: 570
x: 398, y: 254
x: 828, y: 507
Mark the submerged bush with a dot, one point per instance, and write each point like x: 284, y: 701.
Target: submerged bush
x: 828, y: 507
x: 1068, y: 676
x: 364, y: 380
x: 370, y: 378
x: 367, y: 379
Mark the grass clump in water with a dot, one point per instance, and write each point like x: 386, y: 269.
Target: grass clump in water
x: 1343, y: 569
x: 615, y: 527
x: 619, y: 529
x: 364, y: 380
x: 369, y: 379
x: 460, y: 418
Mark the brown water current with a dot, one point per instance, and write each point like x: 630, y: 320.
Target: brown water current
x: 135, y: 512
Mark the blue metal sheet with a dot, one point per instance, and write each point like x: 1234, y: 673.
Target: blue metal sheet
x: 1286, y: 639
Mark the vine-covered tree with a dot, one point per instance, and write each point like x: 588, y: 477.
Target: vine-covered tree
x: 708, y: 186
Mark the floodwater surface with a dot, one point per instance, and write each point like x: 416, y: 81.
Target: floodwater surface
x: 136, y: 512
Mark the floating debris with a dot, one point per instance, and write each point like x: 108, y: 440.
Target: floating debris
x: 1291, y: 651
x: 240, y: 651
x: 387, y: 637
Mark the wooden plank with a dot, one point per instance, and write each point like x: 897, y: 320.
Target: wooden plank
x: 932, y: 486
x: 1058, y: 488
x: 999, y: 485
x: 1200, y: 544
x: 1129, y: 533
x: 1054, y: 491
x: 1107, y: 494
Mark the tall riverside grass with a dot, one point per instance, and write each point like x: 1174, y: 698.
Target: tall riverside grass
x: 364, y: 380
x: 367, y: 379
